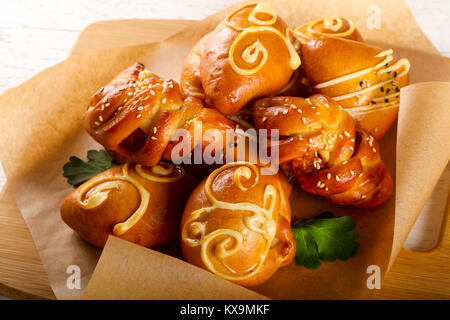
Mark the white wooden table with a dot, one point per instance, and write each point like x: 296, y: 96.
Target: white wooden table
x: 37, y: 34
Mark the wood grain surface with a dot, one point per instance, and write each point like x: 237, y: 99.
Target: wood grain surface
x: 415, y: 275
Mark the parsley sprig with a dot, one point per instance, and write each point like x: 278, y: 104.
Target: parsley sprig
x: 78, y: 171
x: 324, y: 238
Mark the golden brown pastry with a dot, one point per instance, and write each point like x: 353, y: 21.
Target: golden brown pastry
x: 190, y: 83
x: 320, y: 149
x: 236, y: 224
x: 364, y: 79
x: 331, y: 26
x: 135, y: 117
x: 249, y: 55
x: 139, y: 204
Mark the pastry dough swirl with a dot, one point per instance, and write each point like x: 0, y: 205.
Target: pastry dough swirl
x: 93, y: 193
x: 228, y: 241
x: 242, y: 54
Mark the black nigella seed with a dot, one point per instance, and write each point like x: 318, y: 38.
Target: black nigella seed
x: 386, y: 100
x: 372, y: 102
x: 395, y: 74
x: 397, y: 89
x: 361, y: 83
x: 386, y: 65
x: 382, y: 89
x: 387, y: 90
x: 235, y: 144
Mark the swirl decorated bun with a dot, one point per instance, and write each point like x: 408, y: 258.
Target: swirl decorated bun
x: 331, y: 26
x: 249, y: 55
x: 135, y: 117
x: 236, y: 224
x: 364, y: 79
x: 321, y: 150
x: 139, y: 204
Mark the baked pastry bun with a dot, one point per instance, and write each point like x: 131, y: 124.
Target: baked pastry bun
x: 236, y: 224
x: 330, y: 26
x: 320, y: 149
x: 190, y: 83
x: 136, y: 115
x: 139, y: 204
x: 238, y: 59
x: 364, y: 79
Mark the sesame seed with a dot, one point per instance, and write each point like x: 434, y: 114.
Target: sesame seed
x: 326, y: 189
x: 264, y: 119
x: 138, y: 116
x: 125, y: 100
x: 318, y: 113
x: 276, y: 113
x: 363, y: 196
x: 130, y: 93
x: 337, y: 178
x: 293, y: 106
x: 328, y: 176
x: 102, y: 108
x: 164, y: 100
x: 96, y: 123
x: 352, y: 172
x: 374, y: 150
x: 352, y: 140
x: 345, y: 162
x: 100, y: 118
x: 299, y: 111
x: 375, y: 130
x: 370, y: 142
x: 351, y: 148
x: 347, y: 134
x: 341, y: 136
x: 285, y: 111
x: 310, y: 140
x: 153, y: 137
x: 152, y: 92
x: 318, y: 184
x: 107, y: 105
x: 361, y: 174
x: 304, y: 120
x: 155, y: 129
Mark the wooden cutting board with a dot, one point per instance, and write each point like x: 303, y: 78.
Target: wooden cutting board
x: 415, y: 275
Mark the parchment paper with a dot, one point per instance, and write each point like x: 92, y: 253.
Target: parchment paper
x: 41, y: 129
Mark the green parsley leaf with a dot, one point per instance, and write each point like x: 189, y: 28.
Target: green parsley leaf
x: 78, y: 171
x: 324, y: 238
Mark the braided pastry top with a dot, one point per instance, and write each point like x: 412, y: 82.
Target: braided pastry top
x: 135, y: 116
x: 321, y: 150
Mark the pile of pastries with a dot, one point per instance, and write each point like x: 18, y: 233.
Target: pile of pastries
x: 329, y: 95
